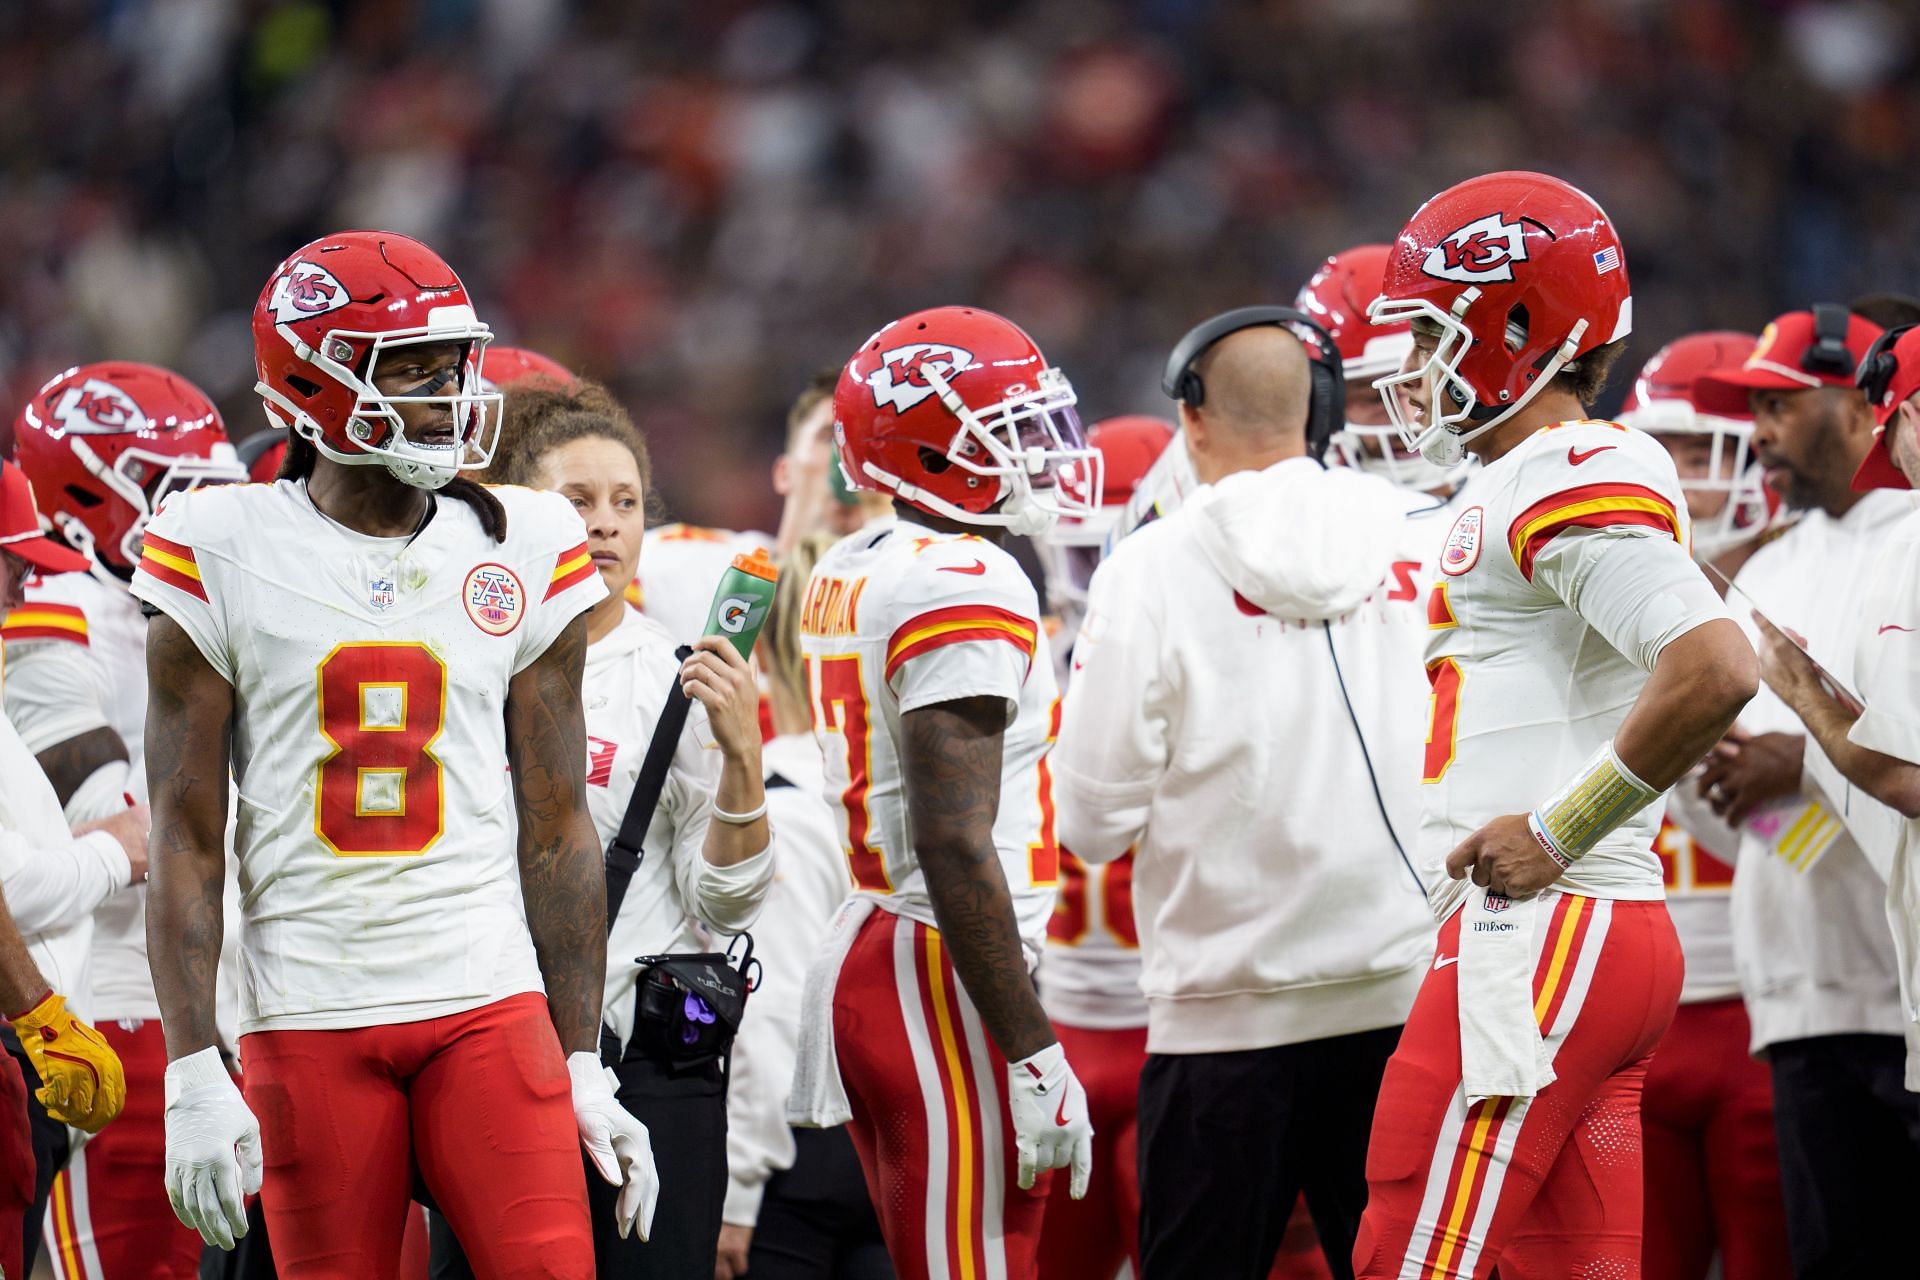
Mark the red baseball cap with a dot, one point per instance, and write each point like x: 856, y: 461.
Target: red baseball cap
x: 1896, y: 376
x: 1798, y: 351
x: 20, y: 527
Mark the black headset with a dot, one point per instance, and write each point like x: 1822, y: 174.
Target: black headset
x: 1879, y: 365
x: 1327, y: 401
x: 1829, y: 355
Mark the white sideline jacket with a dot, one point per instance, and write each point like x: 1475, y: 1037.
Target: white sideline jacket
x: 1205, y: 726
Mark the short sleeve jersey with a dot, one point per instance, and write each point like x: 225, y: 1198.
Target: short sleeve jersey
x: 76, y: 654
x: 377, y: 834
x: 1533, y: 652
x: 905, y: 618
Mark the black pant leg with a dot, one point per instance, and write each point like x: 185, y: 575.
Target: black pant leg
x: 1218, y: 1163
x: 816, y: 1220
x: 1849, y: 1166
x: 50, y: 1146
x: 1338, y: 1119
x: 446, y: 1260
x: 686, y: 1115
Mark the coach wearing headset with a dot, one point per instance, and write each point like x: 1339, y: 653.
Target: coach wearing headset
x: 1247, y: 712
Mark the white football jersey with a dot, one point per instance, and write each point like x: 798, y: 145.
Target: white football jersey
x: 680, y: 567
x: 377, y: 834
x: 1525, y: 653
x: 905, y: 618
x: 77, y: 661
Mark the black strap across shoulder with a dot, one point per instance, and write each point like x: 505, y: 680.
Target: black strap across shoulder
x: 624, y: 853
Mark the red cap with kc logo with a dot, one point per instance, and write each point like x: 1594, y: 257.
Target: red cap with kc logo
x: 20, y: 527
x: 1889, y: 375
x: 1798, y: 351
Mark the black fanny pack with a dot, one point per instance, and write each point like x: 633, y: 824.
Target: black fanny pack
x: 687, y: 1008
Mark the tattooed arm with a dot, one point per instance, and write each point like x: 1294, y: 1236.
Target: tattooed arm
x: 951, y: 759
x: 562, y: 876
x: 189, y: 745
x: 21, y: 983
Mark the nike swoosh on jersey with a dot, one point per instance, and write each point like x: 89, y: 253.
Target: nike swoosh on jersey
x: 977, y: 567
x: 1441, y: 962
x: 1891, y: 626
x: 1575, y: 457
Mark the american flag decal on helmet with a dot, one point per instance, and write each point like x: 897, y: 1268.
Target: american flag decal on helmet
x: 1605, y: 260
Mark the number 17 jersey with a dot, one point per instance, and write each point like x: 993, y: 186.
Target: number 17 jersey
x: 377, y: 833
x: 904, y: 618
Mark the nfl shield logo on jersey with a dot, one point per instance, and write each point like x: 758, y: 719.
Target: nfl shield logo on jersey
x: 494, y: 598
x: 380, y: 594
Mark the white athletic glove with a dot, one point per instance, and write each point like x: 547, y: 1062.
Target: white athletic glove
x: 213, y: 1148
x: 1050, y: 1122
x: 616, y: 1142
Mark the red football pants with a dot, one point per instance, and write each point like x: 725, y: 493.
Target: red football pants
x: 477, y: 1104
x: 16, y: 1167
x: 1089, y: 1239
x: 108, y: 1216
x: 1546, y: 1187
x: 930, y: 1119
x: 1713, y: 1172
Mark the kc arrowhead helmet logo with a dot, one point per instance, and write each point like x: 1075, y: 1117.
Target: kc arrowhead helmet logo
x: 305, y: 291
x: 1481, y: 252
x: 901, y: 380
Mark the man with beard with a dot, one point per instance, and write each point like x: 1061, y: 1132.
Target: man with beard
x: 1815, y: 958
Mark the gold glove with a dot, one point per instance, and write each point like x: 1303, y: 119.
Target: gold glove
x: 82, y: 1083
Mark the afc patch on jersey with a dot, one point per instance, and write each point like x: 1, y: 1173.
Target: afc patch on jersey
x: 1462, y: 548
x: 494, y: 598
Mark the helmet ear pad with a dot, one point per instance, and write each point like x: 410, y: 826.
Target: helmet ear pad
x: 1327, y: 385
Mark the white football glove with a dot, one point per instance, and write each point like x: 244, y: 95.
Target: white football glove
x: 1051, y: 1126
x: 616, y: 1142
x: 213, y: 1148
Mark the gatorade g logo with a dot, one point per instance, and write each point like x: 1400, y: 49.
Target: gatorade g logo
x: 733, y: 614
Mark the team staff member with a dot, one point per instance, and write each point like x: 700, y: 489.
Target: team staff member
x: 707, y: 859
x: 53, y: 879
x: 1580, y: 664
x: 797, y: 1207
x: 1208, y: 726
x: 1713, y: 1169
x: 1816, y: 960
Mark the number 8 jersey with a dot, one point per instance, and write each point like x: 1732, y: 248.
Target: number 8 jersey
x: 906, y: 618
x: 377, y: 833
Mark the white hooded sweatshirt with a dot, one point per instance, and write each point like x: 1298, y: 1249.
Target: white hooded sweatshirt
x: 1209, y: 726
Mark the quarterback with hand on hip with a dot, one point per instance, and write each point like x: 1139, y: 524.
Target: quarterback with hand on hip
x: 394, y: 678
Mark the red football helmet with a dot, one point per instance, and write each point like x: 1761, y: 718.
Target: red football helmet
x: 104, y: 443
x: 956, y: 412
x: 1522, y: 274
x: 501, y: 367
x: 1338, y: 296
x: 1662, y: 403
x: 319, y: 328
x: 1071, y: 550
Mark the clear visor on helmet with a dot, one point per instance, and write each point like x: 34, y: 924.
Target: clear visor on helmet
x: 429, y: 454
x: 1033, y: 446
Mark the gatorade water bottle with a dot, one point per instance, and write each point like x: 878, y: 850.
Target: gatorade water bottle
x: 740, y: 605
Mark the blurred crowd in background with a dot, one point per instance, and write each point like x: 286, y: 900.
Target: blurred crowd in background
x: 701, y: 203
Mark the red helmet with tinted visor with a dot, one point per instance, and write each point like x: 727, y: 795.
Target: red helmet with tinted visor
x: 323, y: 322
x: 104, y: 443
x: 1663, y: 402
x: 956, y: 412
x: 1520, y: 274
x: 1071, y: 550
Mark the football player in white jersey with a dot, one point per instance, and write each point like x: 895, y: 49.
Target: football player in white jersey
x: 1090, y: 976
x: 389, y: 657
x: 1712, y: 1168
x: 104, y: 444
x: 1580, y: 664
x: 935, y: 706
